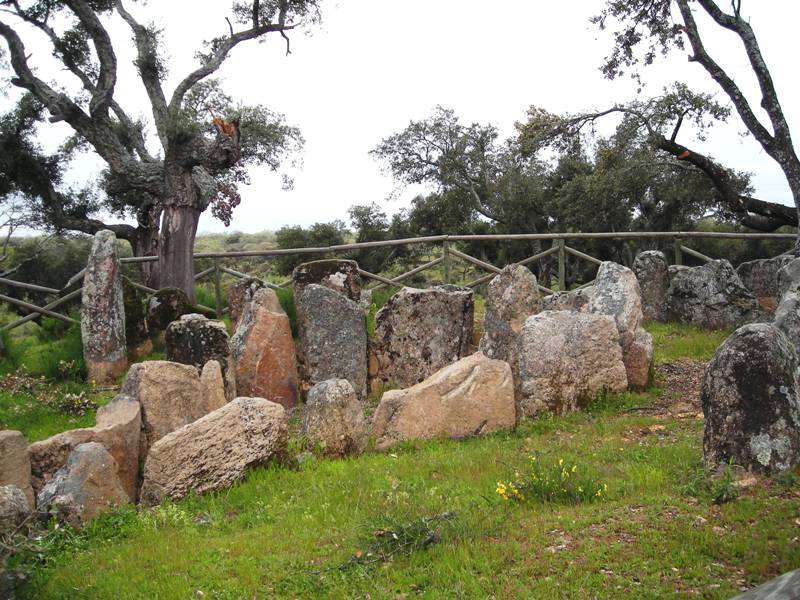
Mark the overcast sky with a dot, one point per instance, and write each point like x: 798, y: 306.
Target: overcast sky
x: 374, y: 65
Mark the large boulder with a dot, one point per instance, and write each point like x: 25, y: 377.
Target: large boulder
x: 711, y: 296
x: 194, y: 340
x: 103, y: 311
x: 214, y: 452
x: 339, y: 275
x: 84, y: 487
x: 789, y: 277
x: 418, y: 332
x: 471, y: 397
x: 565, y: 359
x: 750, y: 401
x: 15, y: 466
x: 14, y: 508
x: 575, y: 300
x: 616, y: 293
x: 171, y: 395
x: 761, y: 277
x: 263, y: 351
x: 652, y: 270
x: 511, y: 298
x: 239, y: 296
x: 334, y: 420
x: 117, y: 429
x: 164, y: 307
x: 787, y: 317
x: 332, y: 340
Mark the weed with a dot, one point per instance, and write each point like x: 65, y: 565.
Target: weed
x: 719, y: 486
x: 550, y: 481
x: 286, y: 298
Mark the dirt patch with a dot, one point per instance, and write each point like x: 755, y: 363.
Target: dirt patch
x: 680, y: 381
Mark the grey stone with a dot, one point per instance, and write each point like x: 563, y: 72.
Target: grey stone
x: 334, y: 419
x: 785, y: 587
x: 339, y: 275
x: 750, y: 401
x: 215, y: 451
x: 418, y: 332
x: 332, y: 339
x: 711, y: 296
x: 787, y: 317
x: 761, y: 276
x: 565, y: 359
x: 14, y: 508
x: 164, y: 307
x: 652, y: 270
x: 789, y: 277
x: 103, y: 311
x: 575, y: 300
x: 239, y: 295
x: 195, y: 340
x: 84, y: 487
x: 15, y: 465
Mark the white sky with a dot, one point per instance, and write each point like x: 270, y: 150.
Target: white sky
x: 374, y: 65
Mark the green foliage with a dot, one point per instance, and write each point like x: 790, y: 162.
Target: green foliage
x: 379, y: 297
x: 673, y: 341
x: 546, y: 480
x: 53, y: 353
x: 318, y: 235
x: 717, y: 486
x: 286, y: 298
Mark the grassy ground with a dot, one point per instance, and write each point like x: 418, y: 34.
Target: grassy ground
x: 426, y: 521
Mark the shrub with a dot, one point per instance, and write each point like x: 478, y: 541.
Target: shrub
x: 551, y: 481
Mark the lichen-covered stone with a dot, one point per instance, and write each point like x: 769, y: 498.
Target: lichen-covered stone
x: 84, y: 487
x: 565, y: 359
x: 117, y: 429
x: 103, y: 311
x: 652, y: 271
x: 239, y: 295
x: 750, y: 401
x: 194, y: 340
x: 332, y: 340
x: 15, y: 466
x: 789, y: 277
x: 334, y: 420
x: 263, y: 351
x: 787, y: 317
x: 575, y: 300
x: 473, y: 396
x: 711, y: 296
x: 761, y: 277
x: 164, y: 307
x: 339, y: 275
x: 171, y: 395
x: 215, y: 451
x: 418, y: 332
x: 14, y: 508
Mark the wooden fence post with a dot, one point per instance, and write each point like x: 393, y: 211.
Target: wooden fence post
x: 446, y: 261
x: 218, y: 288
x: 562, y: 265
x: 678, y: 252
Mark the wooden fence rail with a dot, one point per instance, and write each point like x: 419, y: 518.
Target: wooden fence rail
x: 445, y: 259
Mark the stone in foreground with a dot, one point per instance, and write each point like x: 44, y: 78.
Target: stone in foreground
x: 333, y: 339
x: 263, y: 351
x: 84, y: 487
x: 785, y: 587
x: 15, y: 465
x: 103, y: 312
x: 14, y: 508
x: 652, y: 272
x: 334, y: 419
x: 214, y: 452
x: 117, y: 429
x: 565, y: 359
x: 750, y: 401
x: 471, y: 397
x: 418, y: 332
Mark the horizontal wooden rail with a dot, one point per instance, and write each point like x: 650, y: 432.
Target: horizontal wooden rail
x: 29, y: 286
x: 38, y: 309
x: 586, y: 257
x: 205, y: 272
x: 414, y: 271
x: 36, y: 315
x: 696, y: 254
x: 475, y: 261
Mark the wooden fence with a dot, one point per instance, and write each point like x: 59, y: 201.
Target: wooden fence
x: 446, y: 255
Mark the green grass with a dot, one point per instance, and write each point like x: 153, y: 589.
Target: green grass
x: 673, y: 341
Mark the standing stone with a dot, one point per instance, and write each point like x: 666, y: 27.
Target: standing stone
x: 575, y: 300
x: 616, y: 293
x: 137, y: 336
x: 14, y: 509
x: 103, y: 312
x: 512, y: 297
x: 419, y: 332
x: 118, y: 430
x: 15, y: 466
x: 171, y: 395
x: 471, y: 397
x: 334, y: 419
x: 239, y: 296
x: 263, y: 351
x: 84, y: 487
x: 787, y: 317
x: 652, y: 271
x: 194, y: 340
x: 711, y: 296
x: 214, y: 452
x: 339, y: 275
x: 565, y: 359
x: 212, y: 386
x: 789, y: 277
x: 164, y: 307
x: 761, y: 277
x: 332, y: 339
x: 750, y: 401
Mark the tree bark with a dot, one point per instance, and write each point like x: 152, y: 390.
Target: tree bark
x: 176, y: 248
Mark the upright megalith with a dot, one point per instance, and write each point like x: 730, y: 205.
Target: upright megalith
x: 239, y: 295
x: 751, y: 401
x: 652, y: 271
x: 15, y: 465
x: 761, y: 277
x: 419, y: 332
x: 339, y: 275
x: 263, y: 351
x: 194, y: 340
x: 103, y: 311
x: 332, y: 338
x: 164, y: 307
x: 137, y: 336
